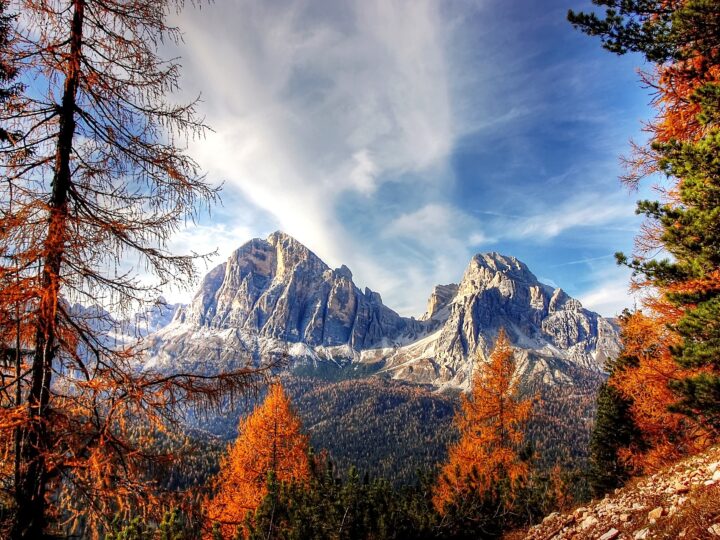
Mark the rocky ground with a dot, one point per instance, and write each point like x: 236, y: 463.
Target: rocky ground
x: 680, y: 501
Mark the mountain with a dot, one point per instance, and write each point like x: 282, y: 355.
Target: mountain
x: 275, y: 297
x: 114, y: 331
x: 550, y: 330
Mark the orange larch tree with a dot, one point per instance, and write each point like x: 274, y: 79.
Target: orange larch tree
x: 642, y: 376
x: 95, y: 180
x: 491, y: 422
x: 270, y: 443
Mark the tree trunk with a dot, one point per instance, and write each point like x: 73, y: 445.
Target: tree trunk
x: 30, y: 497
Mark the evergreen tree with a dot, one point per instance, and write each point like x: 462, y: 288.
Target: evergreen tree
x: 613, y: 430
x: 682, y: 37
x: 9, y: 90
x: 661, y: 30
x: 691, y: 233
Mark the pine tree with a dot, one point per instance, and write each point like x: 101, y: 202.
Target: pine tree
x: 691, y: 233
x: 662, y: 30
x: 613, y: 430
x: 682, y: 38
x: 9, y: 90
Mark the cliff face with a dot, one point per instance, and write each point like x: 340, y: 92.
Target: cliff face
x: 275, y: 296
x: 276, y: 293
x: 548, y: 328
x: 279, y: 289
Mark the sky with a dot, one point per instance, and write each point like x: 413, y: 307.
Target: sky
x: 400, y: 137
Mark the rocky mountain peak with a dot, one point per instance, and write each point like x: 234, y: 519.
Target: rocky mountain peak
x: 343, y: 272
x: 275, y: 292
x: 275, y: 295
x: 493, y: 270
x: 497, y: 262
x: 439, y: 300
x: 544, y: 324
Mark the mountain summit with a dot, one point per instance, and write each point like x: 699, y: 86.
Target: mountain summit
x: 275, y: 296
x: 553, y: 334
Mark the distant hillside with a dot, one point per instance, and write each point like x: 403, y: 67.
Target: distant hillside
x: 391, y: 428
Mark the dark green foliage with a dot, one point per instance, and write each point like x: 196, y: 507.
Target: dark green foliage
x: 660, y: 30
x: 174, y: 526
x: 137, y: 529
x: 560, y: 427
x: 359, y: 508
x: 386, y: 428
x: 614, y: 429
x: 8, y: 71
x: 474, y: 515
x: 351, y: 509
x: 678, y: 31
x: 391, y: 430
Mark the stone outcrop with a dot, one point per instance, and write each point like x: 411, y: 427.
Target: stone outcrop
x: 277, y: 288
x: 679, y: 501
x: 547, y: 327
x: 439, y: 301
x: 276, y: 293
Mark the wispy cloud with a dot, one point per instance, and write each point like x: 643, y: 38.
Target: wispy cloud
x: 342, y: 123
x: 609, y: 297
x: 581, y: 211
x: 310, y: 103
x: 438, y: 239
x: 585, y: 260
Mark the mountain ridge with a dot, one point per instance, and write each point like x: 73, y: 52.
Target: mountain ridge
x: 275, y: 296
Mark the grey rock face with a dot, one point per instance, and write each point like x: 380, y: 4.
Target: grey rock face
x: 439, y: 300
x: 276, y: 290
x: 275, y: 295
x: 544, y: 324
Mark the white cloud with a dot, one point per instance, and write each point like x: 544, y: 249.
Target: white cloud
x: 581, y: 211
x: 337, y: 120
x: 440, y: 240
x: 609, y: 297
x: 435, y: 225
x: 310, y: 103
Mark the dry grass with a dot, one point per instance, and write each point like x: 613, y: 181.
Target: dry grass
x: 691, y: 521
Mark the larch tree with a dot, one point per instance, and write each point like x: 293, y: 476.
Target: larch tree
x: 95, y: 181
x: 270, y: 447
x: 492, y: 424
x: 674, y: 347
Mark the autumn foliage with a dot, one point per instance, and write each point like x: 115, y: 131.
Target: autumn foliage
x: 669, y: 369
x: 94, y: 174
x: 270, y: 446
x: 491, y: 422
x: 643, y: 376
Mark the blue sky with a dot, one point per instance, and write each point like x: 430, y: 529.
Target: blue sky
x: 400, y: 137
